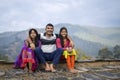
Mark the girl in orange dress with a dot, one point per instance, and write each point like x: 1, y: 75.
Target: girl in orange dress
x: 69, y: 52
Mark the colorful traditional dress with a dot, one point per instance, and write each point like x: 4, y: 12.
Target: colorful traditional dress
x: 69, y: 56
x: 66, y: 45
x: 27, y: 55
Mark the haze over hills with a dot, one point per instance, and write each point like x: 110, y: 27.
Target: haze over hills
x: 88, y: 39
x: 106, y: 36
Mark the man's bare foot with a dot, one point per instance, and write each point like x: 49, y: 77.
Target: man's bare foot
x: 52, y: 68
x: 47, y: 67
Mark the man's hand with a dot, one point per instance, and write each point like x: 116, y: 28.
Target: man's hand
x: 71, y: 41
x: 32, y: 46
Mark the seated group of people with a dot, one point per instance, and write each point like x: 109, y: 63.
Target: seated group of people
x: 44, y: 47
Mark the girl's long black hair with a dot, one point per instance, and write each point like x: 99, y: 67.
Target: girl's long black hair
x: 60, y: 36
x: 36, y: 38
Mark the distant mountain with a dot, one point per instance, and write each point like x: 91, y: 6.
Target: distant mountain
x: 11, y: 43
x: 106, y: 36
x: 88, y: 39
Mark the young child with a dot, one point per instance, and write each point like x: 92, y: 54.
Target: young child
x: 69, y: 53
x: 27, y: 56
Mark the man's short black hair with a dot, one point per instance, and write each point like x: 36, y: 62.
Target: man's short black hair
x: 49, y: 24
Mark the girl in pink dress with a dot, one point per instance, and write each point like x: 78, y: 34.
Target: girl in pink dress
x: 69, y: 52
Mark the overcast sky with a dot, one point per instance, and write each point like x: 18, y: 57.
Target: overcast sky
x: 25, y: 14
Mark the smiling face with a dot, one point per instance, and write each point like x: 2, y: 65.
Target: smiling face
x: 64, y: 33
x: 33, y: 34
x: 49, y: 30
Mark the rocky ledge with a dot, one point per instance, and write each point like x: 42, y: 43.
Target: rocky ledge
x: 90, y: 70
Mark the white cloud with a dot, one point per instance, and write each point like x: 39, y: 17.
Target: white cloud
x: 40, y: 12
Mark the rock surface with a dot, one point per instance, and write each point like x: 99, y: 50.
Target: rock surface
x: 103, y: 72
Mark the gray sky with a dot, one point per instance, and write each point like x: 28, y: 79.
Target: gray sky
x: 25, y: 14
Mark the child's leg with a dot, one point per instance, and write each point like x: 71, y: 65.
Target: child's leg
x: 24, y: 59
x: 68, y: 62
x: 29, y: 66
x: 72, y: 59
x: 30, y: 59
x: 73, y: 64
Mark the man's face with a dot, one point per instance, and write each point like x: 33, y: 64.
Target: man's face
x: 49, y: 30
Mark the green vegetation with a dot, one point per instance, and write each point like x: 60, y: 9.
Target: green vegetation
x: 81, y: 55
x: 3, y: 57
x: 104, y: 53
x: 117, y: 51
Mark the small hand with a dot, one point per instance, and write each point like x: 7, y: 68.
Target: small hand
x: 69, y: 49
x: 32, y: 46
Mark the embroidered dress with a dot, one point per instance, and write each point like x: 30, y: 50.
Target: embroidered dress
x: 66, y: 45
x: 69, y: 56
x: 26, y: 55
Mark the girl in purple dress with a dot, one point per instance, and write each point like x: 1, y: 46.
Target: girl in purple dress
x: 27, y: 56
